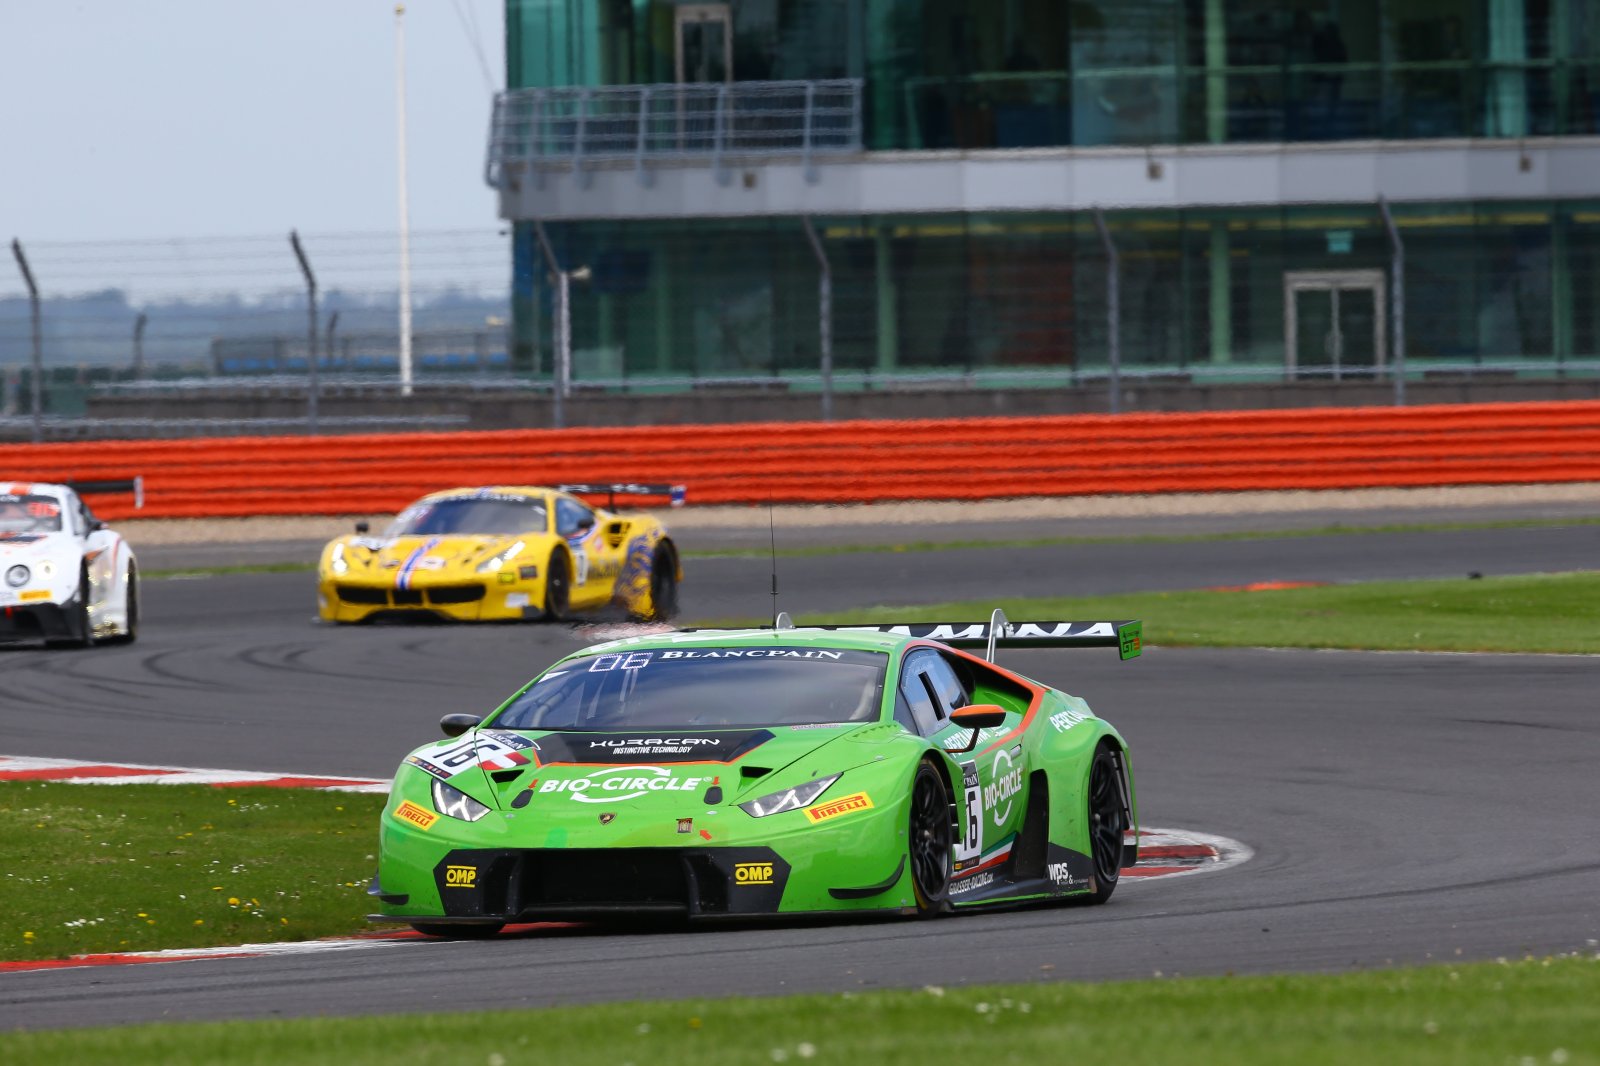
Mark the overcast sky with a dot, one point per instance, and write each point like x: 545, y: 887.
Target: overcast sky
x: 207, y: 118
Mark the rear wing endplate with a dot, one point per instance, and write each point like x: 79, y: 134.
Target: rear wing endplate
x: 675, y: 493
x: 91, y: 488
x: 1126, y: 636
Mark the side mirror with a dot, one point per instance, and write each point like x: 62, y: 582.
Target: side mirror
x: 456, y: 724
x: 586, y: 522
x: 363, y: 527
x: 978, y: 717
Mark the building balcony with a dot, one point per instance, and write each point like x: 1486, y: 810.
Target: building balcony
x: 645, y: 127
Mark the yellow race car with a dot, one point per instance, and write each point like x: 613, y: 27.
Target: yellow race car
x: 505, y: 553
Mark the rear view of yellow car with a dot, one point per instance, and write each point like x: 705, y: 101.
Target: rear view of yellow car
x: 505, y: 553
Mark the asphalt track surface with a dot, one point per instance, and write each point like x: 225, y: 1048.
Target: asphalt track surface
x: 1403, y: 808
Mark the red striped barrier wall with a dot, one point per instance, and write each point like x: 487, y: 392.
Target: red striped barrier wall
x: 852, y: 462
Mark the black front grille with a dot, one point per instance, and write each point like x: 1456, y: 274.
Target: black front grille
x: 407, y: 597
x: 455, y: 594
x: 363, y: 594
x: 593, y: 877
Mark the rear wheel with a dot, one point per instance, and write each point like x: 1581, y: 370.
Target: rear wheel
x: 1107, y: 824
x: 451, y: 931
x: 931, y: 840
x: 557, y: 587
x: 663, y: 585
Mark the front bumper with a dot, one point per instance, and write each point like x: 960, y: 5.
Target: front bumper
x: 344, y: 600
x: 857, y: 865
x: 37, y: 621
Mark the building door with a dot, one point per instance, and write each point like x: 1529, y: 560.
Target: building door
x: 704, y: 48
x: 1333, y: 322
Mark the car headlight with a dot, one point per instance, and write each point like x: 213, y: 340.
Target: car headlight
x: 454, y: 803
x: 495, y: 562
x: 336, y: 561
x: 18, y: 576
x: 790, y: 799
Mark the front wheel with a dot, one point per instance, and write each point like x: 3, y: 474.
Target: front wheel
x: 130, y: 628
x: 557, y: 587
x: 931, y: 841
x: 1108, y: 822
x: 452, y: 931
x: 78, y: 613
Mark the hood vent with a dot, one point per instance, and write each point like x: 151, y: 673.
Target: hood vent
x: 505, y: 777
x: 750, y: 773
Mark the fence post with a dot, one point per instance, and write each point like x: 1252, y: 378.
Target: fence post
x: 138, y: 346
x: 327, y: 341
x: 717, y: 135
x: 1397, y: 301
x: 810, y: 171
x: 579, y: 133
x: 37, y: 373
x: 562, y: 328
x: 312, y: 383
x: 1113, y: 311
x: 824, y: 317
x: 642, y: 174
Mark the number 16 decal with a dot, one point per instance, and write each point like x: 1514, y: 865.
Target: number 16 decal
x: 970, y: 846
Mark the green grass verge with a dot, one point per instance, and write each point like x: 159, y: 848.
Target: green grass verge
x: 1529, y: 613
x: 94, y: 868
x: 1537, y: 1011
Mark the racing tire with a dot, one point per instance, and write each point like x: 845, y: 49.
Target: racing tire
x: 1107, y: 823
x: 557, y: 586
x: 78, y: 613
x: 451, y: 931
x: 930, y: 838
x: 663, y: 586
x: 130, y: 630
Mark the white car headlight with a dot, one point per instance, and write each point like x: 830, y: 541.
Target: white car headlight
x: 336, y: 561
x: 495, y: 562
x: 454, y: 803
x: 790, y: 799
x: 18, y: 576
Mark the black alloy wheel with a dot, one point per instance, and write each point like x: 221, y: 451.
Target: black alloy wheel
x: 931, y: 839
x: 1108, y: 822
x: 557, y: 586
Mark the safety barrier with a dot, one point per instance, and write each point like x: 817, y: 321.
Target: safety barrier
x: 852, y: 462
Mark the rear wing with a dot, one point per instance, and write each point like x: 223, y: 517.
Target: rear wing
x: 998, y: 632
x: 674, y: 493
x: 91, y: 488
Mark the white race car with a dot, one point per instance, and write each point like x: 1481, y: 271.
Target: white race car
x: 64, y: 576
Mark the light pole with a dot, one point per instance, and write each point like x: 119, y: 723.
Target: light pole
x: 405, y: 207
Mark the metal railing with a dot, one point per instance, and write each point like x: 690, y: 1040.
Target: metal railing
x: 571, y: 125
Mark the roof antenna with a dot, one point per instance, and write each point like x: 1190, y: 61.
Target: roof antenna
x: 772, y: 532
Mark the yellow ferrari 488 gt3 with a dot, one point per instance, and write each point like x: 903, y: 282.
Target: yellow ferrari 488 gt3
x: 504, y: 553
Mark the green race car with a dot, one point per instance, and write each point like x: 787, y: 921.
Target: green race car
x: 783, y: 770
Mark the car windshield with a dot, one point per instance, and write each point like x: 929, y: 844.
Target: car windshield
x: 29, y: 514
x: 471, y: 515
x: 702, y: 687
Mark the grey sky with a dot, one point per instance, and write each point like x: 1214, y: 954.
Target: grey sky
x: 209, y: 118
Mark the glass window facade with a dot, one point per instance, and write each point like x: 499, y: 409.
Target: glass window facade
x: 1032, y: 73
x: 1204, y: 292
